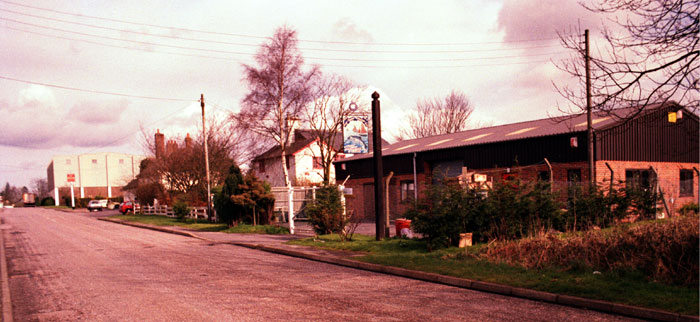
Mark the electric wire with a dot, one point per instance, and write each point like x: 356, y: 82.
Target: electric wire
x: 258, y: 45
x: 241, y: 61
x: 266, y: 37
x: 310, y: 58
x: 96, y: 91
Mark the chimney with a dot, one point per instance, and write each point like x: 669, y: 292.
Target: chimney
x: 291, y: 122
x: 188, y: 142
x: 171, y: 146
x: 160, y: 144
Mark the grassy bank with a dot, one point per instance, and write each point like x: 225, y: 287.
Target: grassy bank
x: 621, y: 287
x: 202, y: 225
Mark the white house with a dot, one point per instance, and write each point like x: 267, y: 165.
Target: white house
x: 303, y: 156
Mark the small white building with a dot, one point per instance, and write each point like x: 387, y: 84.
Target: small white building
x: 93, y: 174
x: 303, y: 156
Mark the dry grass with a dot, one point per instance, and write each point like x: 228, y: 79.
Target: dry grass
x: 664, y: 250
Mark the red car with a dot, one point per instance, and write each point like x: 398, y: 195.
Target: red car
x: 126, y: 206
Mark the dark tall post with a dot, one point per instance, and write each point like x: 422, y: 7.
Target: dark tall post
x: 378, y: 168
x: 589, y: 112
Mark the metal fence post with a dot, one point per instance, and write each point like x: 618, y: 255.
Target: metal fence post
x: 290, y: 208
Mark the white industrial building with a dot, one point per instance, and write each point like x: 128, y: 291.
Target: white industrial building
x: 92, y: 174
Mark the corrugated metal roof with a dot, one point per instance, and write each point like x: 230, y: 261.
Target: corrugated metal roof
x: 507, y: 132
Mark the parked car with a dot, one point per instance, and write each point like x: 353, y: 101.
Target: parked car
x: 113, y: 205
x: 126, y: 206
x: 95, y: 205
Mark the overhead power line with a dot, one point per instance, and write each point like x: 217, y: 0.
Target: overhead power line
x: 251, y: 54
x: 266, y: 37
x: 96, y: 91
x: 258, y: 45
x: 328, y: 65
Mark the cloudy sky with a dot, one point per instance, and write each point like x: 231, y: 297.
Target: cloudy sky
x: 59, y: 60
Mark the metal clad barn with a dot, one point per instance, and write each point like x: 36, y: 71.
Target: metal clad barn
x: 648, y: 139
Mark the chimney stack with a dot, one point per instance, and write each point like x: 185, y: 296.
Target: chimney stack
x: 188, y: 142
x: 160, y: 144
x: 291, y: 122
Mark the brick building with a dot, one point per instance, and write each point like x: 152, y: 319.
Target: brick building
x: 658, y: 145
x: 95, y: 174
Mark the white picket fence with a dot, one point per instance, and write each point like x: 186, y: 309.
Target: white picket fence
x: 195, y: 212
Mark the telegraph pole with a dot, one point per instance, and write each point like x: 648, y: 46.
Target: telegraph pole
x: 589, y: 112
x: 378, y: 168
x: 206, y: 159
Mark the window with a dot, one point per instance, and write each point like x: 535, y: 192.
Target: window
x: 67, y: 161
x: 573, y: 176
x: 543, y: 176
x: 640, y: 179
x: 261, y: 166
x: 686, y: 183
x: 318, y: 163
x: 94, y: 161
x: 446, y: 169
x: 407, y: 190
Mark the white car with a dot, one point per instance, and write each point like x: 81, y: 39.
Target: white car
x: 95, y: 205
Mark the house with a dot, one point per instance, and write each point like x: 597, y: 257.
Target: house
x: 659, y: 145
x: 303, y: 156
x: 93, y: 174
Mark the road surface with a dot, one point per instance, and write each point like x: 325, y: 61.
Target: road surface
x: 72, y: 267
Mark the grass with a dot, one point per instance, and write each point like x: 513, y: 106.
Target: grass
x: 202, y: 225
x: 56, y: 207
x: 621, y: 287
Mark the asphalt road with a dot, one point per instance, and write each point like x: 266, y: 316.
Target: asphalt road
x: 72, y: 267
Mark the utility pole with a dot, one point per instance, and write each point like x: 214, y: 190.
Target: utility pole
x: 378, y: 168
x: 206, y: 159
x: 589, y: 129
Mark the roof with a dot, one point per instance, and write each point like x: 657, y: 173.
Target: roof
x: 302, y: 139
x: 507, y: 132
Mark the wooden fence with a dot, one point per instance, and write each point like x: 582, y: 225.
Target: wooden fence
x: 195, y: 212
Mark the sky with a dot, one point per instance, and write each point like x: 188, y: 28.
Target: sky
x: 93, y: 76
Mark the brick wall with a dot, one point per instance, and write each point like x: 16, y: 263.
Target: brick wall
x: 668, y: 177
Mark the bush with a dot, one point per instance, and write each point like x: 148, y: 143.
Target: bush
x: 664, y: 250
x: 511, y: 210
x: 688, y: 209
x: 181, y: 210
x: 48, y: 201
x: 445, y: 212
x: 325, y: 213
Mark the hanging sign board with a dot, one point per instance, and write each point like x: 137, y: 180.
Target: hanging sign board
x: 355, y: 134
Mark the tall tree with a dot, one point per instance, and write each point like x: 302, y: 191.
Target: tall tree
x: 279, y: 88
x: 182, y: 167
x: 438, y: 116
x: 650, y: 56
x: 332, y: 96
x: 41, y: 188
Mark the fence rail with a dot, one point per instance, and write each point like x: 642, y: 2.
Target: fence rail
x: 195, y: 212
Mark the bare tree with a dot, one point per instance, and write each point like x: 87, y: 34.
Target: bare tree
x: 438, y: 116
x: 41, y: 188
x: 279, y: 90
x: 651, y: 57
x: 182, y: 167
x: 333, y: 95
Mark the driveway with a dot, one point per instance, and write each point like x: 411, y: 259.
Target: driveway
x: 72, y: 267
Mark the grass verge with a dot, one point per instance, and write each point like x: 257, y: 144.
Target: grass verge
x: 620, y: 287
x: 202, y: 225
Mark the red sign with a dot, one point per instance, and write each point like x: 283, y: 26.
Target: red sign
x: 70, y: 177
